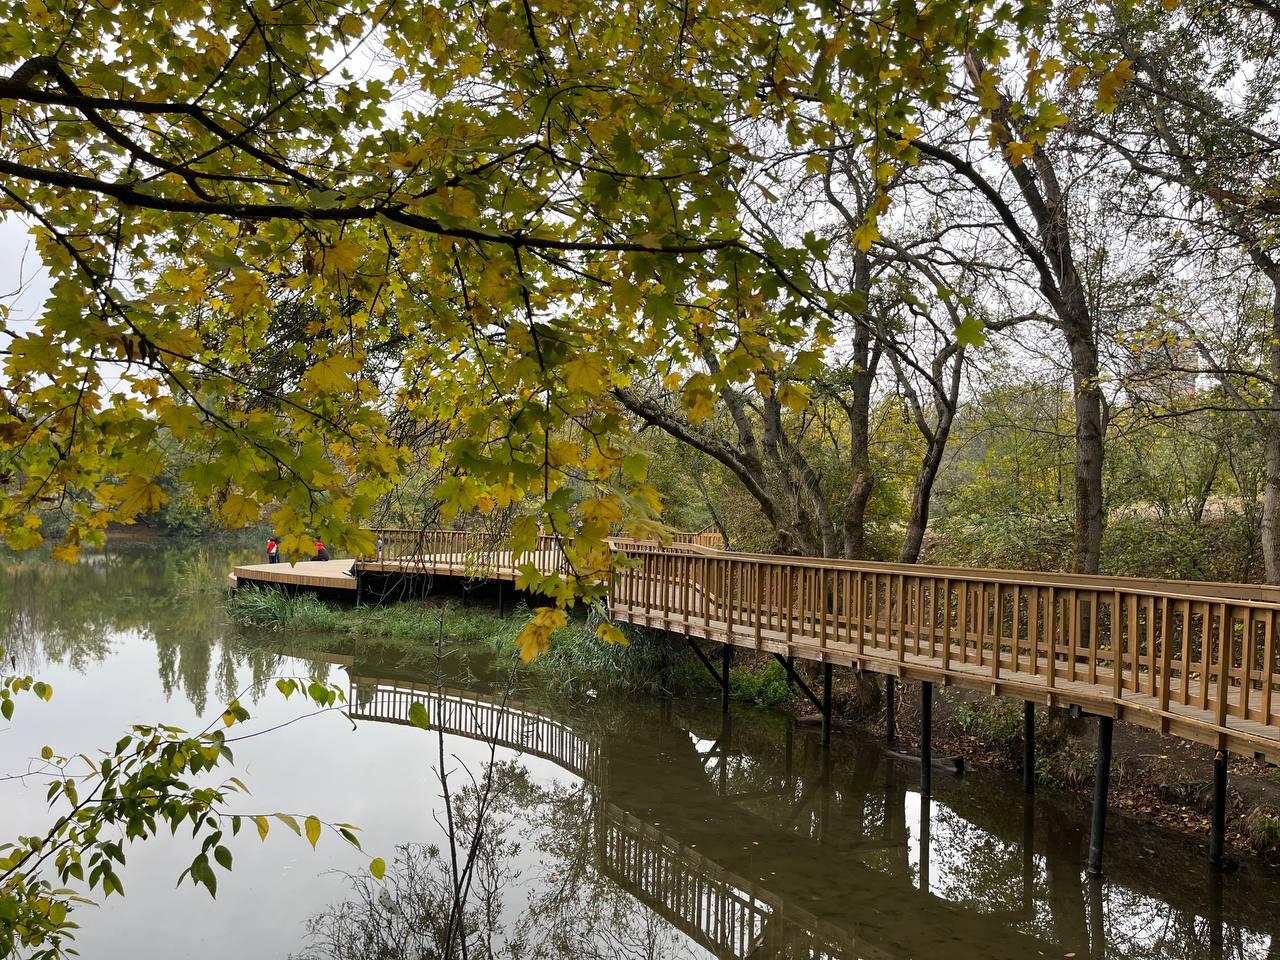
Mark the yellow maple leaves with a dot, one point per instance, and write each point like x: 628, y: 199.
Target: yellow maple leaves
x: 698, y: 400
x: 586, y: 372
x: 240, y: 511
x: 244, y: 292
x: 139, y: 494
x: 332, y: 375
x: 534, y: 638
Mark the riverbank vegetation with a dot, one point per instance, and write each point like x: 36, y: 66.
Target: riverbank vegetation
x: 578, y: 663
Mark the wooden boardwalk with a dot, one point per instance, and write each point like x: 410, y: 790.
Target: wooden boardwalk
x: 316, y: 574
x: 1197, y: 660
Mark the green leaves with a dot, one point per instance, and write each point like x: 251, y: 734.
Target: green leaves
x: 154, y: 777
x: 202, y: 873
x: 378, y: 867
x: 290, y: 822
x: 223, y: 856
x: 418, y: 715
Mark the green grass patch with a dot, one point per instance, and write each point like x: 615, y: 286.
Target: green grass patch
x: 417, y: 622
x: 578, y: 663
x: 266, y: 607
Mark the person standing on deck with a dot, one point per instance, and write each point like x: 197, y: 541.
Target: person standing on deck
x: 273, y: 549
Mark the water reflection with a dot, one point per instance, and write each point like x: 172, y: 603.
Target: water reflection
x: 74, y: 615
x: 629, y: 829
x: 753, y: 842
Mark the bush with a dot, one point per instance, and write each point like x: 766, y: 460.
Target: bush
x: 767, y: 687
x: 579, y: 662
x: 994, y: 721
x: 1262, y: 828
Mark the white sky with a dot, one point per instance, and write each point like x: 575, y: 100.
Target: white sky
x: 24, y: 283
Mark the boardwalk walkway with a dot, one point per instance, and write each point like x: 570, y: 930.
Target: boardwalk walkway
x: 1197, y: 660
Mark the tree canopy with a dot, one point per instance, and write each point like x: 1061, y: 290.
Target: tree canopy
x: 459, y: 226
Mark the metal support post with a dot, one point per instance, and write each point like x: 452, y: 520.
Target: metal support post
x: 1028, y: 746
x: 890, y: 710
x: 1101, y: 785
x: 926, y: 738
x: 826, y: 704
x: 1218, y: 823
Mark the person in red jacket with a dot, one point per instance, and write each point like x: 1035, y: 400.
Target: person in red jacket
x: 273, y: 549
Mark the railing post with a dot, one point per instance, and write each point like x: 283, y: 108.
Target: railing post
x: 1101, y: 785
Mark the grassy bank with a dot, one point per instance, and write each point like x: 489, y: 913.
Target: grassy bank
x: 578, y: 661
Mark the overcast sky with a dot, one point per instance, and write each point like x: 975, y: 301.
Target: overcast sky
x: 24, y: 284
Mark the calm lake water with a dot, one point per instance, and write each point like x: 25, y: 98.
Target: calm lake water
x: 617, y: 829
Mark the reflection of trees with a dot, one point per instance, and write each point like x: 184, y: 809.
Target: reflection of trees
x: 413, y: 913
x: 561, y: 823
x: 545, y: 907
x: 59, y: 613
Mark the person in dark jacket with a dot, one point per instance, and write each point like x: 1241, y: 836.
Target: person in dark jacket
x: 273, y: 549
x: 322, y: 552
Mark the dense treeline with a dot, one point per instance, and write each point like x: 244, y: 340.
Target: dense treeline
x: 1065, y: 354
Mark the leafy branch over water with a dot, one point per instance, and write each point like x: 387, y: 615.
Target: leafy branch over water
x: 153, y: 776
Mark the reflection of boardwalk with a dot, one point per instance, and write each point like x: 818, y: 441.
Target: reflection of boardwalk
x: 725, y: 914
x: 728, y: 915
x: 503, y: 722
x: 731, y: 917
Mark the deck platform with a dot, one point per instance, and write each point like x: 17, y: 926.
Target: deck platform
x: 316, y: 574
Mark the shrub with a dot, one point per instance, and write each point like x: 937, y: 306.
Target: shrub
x: 767, y: 687
x: 994, y: 721
x: 1262, y: 828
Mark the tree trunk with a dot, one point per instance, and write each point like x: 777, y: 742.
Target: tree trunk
x: 862, y: 479
x: 1087, y: 552
x: 921, y: 496
x: 1271, y: 489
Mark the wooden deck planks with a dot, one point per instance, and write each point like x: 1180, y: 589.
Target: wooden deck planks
x: 321, y: 574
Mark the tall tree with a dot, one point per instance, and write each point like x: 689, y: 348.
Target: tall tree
x: 1199, y: 118
x: 518, y: 193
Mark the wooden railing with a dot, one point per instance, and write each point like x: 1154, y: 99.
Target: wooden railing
x: 1178, y: 651
x: 464, y: 553
x: 1196, y: 659
x: 706, y: 537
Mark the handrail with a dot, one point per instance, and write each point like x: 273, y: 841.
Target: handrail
x: 1192, y: 659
